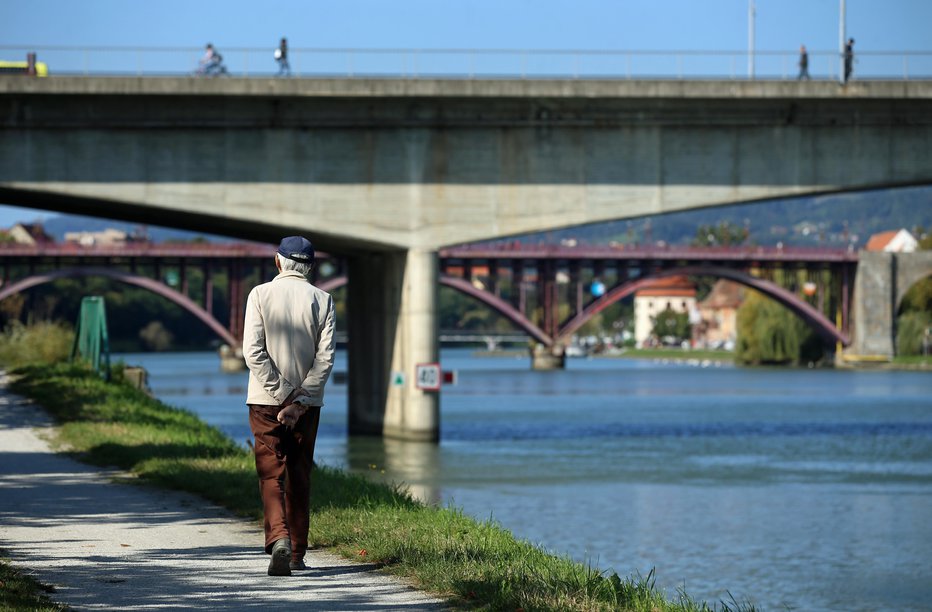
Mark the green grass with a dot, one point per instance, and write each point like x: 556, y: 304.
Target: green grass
x: 42, y: 342
x: 913, y: 360
x: 672, y: 353
x: 476, y: 564
x: 21, y: 592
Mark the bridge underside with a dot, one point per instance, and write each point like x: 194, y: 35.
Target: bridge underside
x: 397, y: 165
x: 386, y: 172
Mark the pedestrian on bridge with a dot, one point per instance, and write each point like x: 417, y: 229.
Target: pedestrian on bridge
x: 849, y: 58
x: 288, y: 344
x: 803, y: 63
x: 281, y: 56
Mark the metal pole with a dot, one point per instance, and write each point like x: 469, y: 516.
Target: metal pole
x: 751, y: 12
x: 845, y: 313
x: 841, y: 41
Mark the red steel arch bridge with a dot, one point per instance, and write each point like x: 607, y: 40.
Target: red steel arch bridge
x: 543, y: 290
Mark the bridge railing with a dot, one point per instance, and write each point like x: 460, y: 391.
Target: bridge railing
x: 473, y: 63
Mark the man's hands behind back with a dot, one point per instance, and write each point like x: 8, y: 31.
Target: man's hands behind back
x: 294, y: 407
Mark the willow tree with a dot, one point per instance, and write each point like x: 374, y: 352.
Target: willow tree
x: 769, y: 333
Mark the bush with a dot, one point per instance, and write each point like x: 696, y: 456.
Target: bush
x: 911, y: 331
x: 769, y: 333
x: 43, y: 342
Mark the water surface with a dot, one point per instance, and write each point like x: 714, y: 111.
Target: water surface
x: 806, y: 489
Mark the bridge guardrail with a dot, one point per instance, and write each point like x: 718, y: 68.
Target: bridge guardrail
x: 474, y: 63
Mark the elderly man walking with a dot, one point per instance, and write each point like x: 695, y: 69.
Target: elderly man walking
x: 288, y: 347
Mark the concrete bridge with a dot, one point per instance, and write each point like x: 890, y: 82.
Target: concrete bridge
x: 386, y: 172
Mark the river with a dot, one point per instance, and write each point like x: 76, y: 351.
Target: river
x: 800, y: 489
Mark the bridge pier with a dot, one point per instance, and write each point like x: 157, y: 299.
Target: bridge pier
x: 874, y: 306
x: 394, y: 325
x: 548, y: 357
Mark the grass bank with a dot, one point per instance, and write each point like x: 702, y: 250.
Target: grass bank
x: 915, y: 362
x: 19, y: 591
x: 677, y: 354
x: 476, y: 564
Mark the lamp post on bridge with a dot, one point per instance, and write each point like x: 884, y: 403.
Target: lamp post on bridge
x: 841, y: 41
x: 751, y: 13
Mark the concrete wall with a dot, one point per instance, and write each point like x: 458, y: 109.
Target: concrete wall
x: 399, y: 164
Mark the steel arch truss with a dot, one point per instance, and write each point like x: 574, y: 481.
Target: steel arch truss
x: 818, y: 321
x: 149, y: 284
x: 464, y: 286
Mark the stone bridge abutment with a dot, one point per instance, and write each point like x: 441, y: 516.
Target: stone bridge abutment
x: 879, y: 287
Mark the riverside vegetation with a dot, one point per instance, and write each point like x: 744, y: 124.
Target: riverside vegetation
x: 19, y: 591
x: 477, y: 564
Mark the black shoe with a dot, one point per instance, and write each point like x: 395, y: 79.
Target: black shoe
x: 281, y: 558
x: 297, y: 565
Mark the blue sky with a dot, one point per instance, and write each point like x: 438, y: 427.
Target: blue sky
x: 550, y: 24
x: 560, y: 24
x: 699, y: 25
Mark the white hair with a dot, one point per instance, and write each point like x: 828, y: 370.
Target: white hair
x: 297, y: 266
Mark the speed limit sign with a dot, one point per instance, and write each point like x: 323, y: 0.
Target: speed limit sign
x: 427, y: 376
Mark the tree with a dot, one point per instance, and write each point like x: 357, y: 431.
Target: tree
x: 769, y: 333
x: 723, y: 234
x: 461, y: 312
x: 670, y: 323
x: 915, y: 320
x: 610, y: 321
x: 155, y: 336
x: 913, y: 333
x: 919, y: 297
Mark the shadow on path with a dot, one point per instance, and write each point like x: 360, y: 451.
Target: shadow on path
x: 103, y: 545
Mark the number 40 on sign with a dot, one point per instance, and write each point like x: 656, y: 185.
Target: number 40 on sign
x: 427, y: 376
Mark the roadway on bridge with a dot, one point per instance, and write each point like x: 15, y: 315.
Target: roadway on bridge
x: 104, y: 545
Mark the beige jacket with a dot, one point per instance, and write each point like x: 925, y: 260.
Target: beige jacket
x: 288, y: 340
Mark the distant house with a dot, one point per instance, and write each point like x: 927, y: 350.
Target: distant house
x: 894, y: 241
x: 108, y: 237
x: 32, y: 234
x: 719, y: 312
x: 675, y: 293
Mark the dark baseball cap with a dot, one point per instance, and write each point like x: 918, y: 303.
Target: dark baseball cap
x: 297, y: 248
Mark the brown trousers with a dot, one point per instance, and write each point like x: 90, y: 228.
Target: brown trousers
x: 283, y: 461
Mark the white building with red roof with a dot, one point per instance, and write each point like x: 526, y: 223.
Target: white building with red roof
x: 894, y: 241
x: 675, y: 292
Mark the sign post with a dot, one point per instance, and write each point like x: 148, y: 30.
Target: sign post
x: 427, y: 376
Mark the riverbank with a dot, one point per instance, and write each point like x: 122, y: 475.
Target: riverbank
x: 631, y: 353
x: 702, y: 357
x: 100, y: 540
x: 678, y: 355
x: 439, y: 549
x: 18, y: 591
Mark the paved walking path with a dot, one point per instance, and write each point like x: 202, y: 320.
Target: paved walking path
x: 110, y: 546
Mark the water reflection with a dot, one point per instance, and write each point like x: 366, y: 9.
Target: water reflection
x: 414, y: 465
